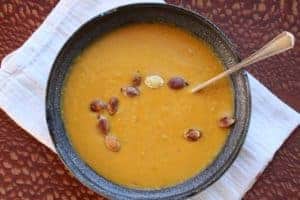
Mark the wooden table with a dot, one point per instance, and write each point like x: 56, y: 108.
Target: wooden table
x: 28, y: 170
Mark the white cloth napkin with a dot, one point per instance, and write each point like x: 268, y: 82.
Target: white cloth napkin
x: 24, y: 73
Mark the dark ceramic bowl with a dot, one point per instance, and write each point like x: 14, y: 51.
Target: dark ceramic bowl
x: 197, y: 25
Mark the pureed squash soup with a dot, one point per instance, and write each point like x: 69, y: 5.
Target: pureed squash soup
x: 153, y: 132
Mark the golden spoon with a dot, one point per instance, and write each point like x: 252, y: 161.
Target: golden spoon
x: 282, y: 42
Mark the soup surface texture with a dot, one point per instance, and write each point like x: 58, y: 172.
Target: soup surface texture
x: 150, y: 127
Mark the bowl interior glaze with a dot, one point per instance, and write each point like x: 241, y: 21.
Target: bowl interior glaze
x: 107, y: 22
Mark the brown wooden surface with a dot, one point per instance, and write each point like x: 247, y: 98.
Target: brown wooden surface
x: 28, y: 170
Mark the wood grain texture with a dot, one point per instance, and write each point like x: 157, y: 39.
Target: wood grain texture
x: 28, y: 170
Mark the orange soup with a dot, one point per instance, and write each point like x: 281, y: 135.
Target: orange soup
x: 153, y: 150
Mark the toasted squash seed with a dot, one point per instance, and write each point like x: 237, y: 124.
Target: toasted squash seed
x: 177, y: 83
x: 137, y: 80
x: 192, y: 134
x: 226, y: 122
x: 103, y: 125
x: 97, y: 105
x: 112, y: 143
x: 113, y: 105
x: 130, y: 91
x: 154, y: 81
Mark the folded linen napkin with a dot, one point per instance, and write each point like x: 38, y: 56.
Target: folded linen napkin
x: 24, y: 73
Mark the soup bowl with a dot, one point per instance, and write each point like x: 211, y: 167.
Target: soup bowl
x: 152, y: 13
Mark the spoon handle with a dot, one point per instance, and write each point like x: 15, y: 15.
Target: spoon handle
x: 282, y: 42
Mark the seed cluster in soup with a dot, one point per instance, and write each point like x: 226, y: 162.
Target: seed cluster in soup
x: 153, y: 150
